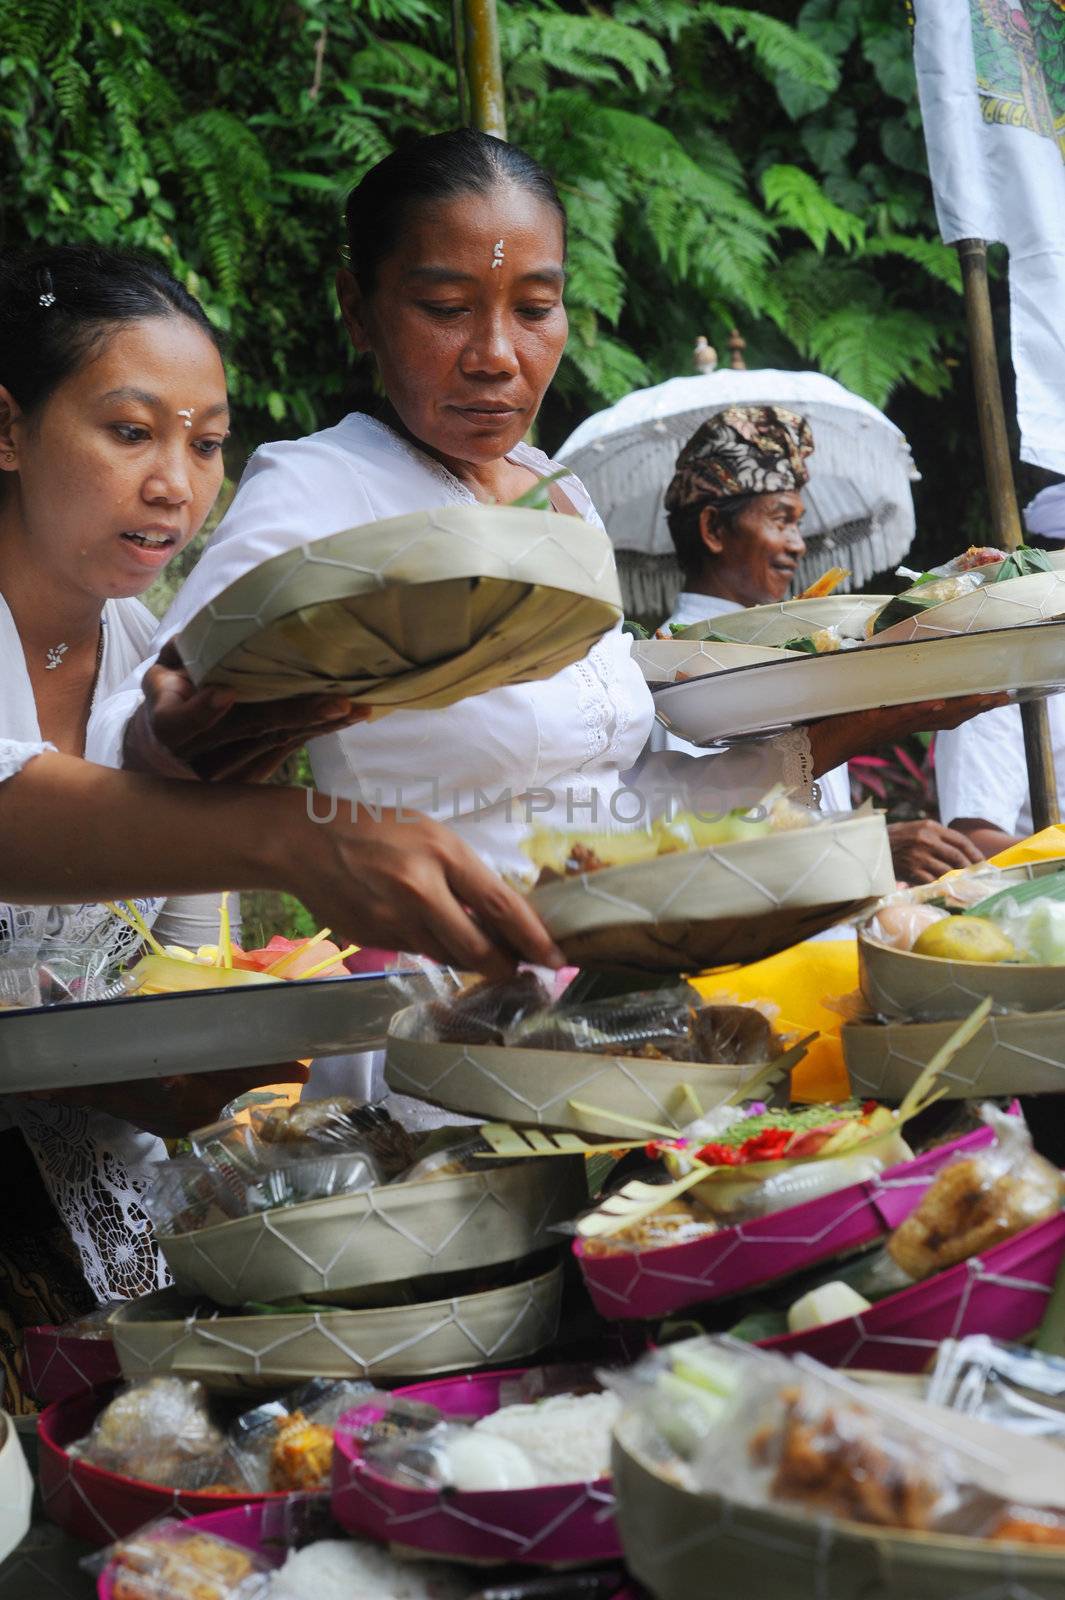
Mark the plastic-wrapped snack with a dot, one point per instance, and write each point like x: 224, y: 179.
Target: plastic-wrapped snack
x: 160, y: 1431
x: 678, y: 1395
x: 483, y: 1013
x: 734, y: 1036
x: 978, y: 1200
x: 901, y: 925
x: 821, y: 1447
x: 288, y: 1444
x: 560, y: 1436
x: 288, y: 1178
x: 167, y: 1561
x: 1021, y: 1389
x: 655, y: 1024
x: 339, y: 1124
x: 448, y: 1152
x: 186, y: 1194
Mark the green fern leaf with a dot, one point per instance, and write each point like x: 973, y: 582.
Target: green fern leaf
x: 799, y: 201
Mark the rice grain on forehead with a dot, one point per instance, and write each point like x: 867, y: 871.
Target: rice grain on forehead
x: 430, y: 171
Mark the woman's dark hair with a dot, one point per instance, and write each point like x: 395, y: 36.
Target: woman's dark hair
x: 687, y: 535
x: 58, y: 303
x: 439, y: 167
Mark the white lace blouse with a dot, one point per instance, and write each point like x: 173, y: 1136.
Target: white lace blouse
x: 556, y: 752
x: 94, y: 1166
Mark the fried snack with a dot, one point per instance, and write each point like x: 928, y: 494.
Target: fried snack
x: 971, y: 1207
x: 482, y: 1013
x: 1025, y: 1526
x: 340, y: 1124
x: 302, y: 1453
x: 733, y: 1036
x: 679, y: 1222
x: 184, y: 1567
x: 833, y: 1463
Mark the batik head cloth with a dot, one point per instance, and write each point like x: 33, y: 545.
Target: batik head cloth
x: 744, y: 450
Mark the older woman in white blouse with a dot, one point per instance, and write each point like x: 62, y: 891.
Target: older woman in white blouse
x: 457, y: 263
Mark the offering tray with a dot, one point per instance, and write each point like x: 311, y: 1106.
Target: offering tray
x: 1003, y: 1293
x: 92, y: 1503
x: 778, y: 624
x: 726, y: 905
x: 61, y: 1363
x: 415, y: 611
x: 231, y: 1353
x: 750, y: 702
x: 644, y: 1284
x: 671, y: 660
x: 555, y: 1525
x: 673, y: 1536
x: 536, y: 1088
x: 157, y: 1036
x: 1019, y: 1053
x: 906, y: 987
x: 347, y: 1247
x: 1036, y: 597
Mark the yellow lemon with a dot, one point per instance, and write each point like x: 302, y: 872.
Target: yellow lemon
x: 965, y: 939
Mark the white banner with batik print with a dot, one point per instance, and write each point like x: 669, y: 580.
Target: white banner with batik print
x: 991, y: 79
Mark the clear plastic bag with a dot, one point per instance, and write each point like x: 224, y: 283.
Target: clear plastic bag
x: 35, y: 973
x: 288, y: 1444
x: 481, y: 1014
x: 552, y: 1426
x: 978, y: 1200
x: 1020, y: 1389
x: 1036, y: 929
x: 166, y: 1560
x: 159, y: 1431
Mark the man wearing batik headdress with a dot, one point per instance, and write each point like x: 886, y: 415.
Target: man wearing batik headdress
x: 735, y: 509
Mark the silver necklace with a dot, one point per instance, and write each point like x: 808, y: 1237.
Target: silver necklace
x: 58, y: 651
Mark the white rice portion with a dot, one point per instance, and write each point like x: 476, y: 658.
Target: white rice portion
x: 567, y: 1436
x: 344, y: 1569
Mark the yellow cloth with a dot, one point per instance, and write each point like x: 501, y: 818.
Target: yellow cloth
x: 799, y: 981
x: 1045, y: 846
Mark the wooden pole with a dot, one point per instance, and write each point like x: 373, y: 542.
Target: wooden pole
x: 1005, y: 517
x: 479, y: 49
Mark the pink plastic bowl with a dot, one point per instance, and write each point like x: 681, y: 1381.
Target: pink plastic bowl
x: 59, y: 1364
x: 561, y: 1525
x: 654, y: 1283
x: 98, y: 1506
x: 1002, y: 1293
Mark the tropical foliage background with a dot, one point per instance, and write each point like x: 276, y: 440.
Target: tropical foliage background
x: 721, y: 166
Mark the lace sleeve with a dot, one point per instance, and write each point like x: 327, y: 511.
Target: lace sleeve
x: 14, y: 754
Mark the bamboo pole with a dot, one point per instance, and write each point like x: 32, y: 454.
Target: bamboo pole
x: 479, y: 51
x: 1005, y: 517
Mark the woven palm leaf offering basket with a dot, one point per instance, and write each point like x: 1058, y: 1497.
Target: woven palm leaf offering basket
x: 932, y: 953
x: 417, y: 611
x: 337, y: 1202
x: 689, y: 893
x: 647, y: 1060
x: 787, y: 1480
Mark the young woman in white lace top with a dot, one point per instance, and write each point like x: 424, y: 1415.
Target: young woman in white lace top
x: 113, y: 412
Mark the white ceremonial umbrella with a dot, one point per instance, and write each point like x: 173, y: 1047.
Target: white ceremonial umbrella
x: 859, y: 506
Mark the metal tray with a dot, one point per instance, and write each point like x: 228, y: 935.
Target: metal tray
x: 157, y: 1036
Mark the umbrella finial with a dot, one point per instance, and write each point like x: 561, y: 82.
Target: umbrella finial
x: 737, y: 344
x: 704, y: 356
